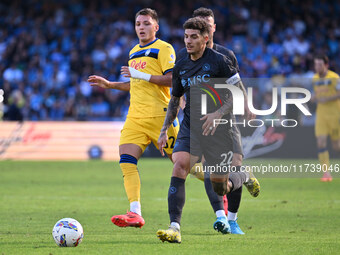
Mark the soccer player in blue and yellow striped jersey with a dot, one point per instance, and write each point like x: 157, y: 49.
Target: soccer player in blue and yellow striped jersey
x: 326, y: 85
x: 150, y: 71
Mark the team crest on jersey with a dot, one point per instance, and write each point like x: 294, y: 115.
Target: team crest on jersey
x: 206, y: 67
x: 147, y: 52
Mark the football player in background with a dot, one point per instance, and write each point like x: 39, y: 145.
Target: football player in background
x: 326, y: 85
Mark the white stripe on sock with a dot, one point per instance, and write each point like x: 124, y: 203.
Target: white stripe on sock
x: 232, y: 216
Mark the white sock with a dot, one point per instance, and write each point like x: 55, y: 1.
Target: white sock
x: 247, y: 178
x: 244, y: 170
x: 175, y: 225
x: 232, y: 216
x: 220, y: 213
x: 136, y: 207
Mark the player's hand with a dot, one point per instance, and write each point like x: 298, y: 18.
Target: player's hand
x: 209, y: 127
x: 182, y: 102
x: 125, y: 71
x: 163, y: 138
x: 99, y: 81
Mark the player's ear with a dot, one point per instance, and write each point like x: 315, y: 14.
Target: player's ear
x: 214, y: 28
x: 156, y: 28
x: 206, y: 38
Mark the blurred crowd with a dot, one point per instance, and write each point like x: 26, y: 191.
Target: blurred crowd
x: 49, y: 48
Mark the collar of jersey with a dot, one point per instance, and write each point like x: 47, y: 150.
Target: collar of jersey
x: 148, y: 43
x: 204, y: 53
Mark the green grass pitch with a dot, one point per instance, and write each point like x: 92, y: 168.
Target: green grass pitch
x: 291, y: 216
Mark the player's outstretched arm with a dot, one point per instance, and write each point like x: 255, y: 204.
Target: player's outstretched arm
x: 169, y: 119
x: 99, y: 81
x: 161, y: 80
x: 329, y: 98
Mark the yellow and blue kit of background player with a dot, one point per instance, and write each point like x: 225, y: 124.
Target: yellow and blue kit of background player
x: 328, y: 113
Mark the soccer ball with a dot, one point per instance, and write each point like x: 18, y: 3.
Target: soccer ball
x: 67, y: 232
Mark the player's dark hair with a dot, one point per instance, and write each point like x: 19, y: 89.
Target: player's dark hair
x: 322, y: 57
x: 203, y: 12
x: 198, y: 24
x: 148, y: 11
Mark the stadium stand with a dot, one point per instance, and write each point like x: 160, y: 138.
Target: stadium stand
x: 49, y: 48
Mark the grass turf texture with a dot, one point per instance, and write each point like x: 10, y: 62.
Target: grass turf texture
x: 291, y: 216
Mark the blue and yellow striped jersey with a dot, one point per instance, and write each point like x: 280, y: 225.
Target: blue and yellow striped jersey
x: 325, y: 87
x: 148, y: 99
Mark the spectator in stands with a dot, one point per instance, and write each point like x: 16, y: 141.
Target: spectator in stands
x: 14, y: 110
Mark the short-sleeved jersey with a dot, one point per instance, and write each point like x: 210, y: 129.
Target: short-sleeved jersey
x: 325, y: 87
x: 217, y: 47
x: 148, y: 99
x: 189, y: 76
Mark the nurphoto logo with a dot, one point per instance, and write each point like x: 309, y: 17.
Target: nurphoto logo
x: 239, y: 106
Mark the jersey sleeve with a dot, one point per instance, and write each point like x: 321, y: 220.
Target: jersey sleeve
x: 167, y: 58
x: 229, y: 71
x: 337, y: 82
x: 181, y: 54
x: 177, y: 88
x: 234, y: 61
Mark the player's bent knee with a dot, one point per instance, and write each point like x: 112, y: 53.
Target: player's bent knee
x: 181, y: 169
x: 218, y: 178
x: 220, y: 188
x: 130, y: 149
x: 336, y: 145
x: 321, y: 141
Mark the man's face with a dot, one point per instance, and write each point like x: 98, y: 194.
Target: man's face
x: 320, y: 66
x: 146, y: 28
x: 194, y: 41
x: 212, y: 26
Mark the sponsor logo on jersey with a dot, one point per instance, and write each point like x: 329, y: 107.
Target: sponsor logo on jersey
x: 138, y: 65
x: 197, y: 79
